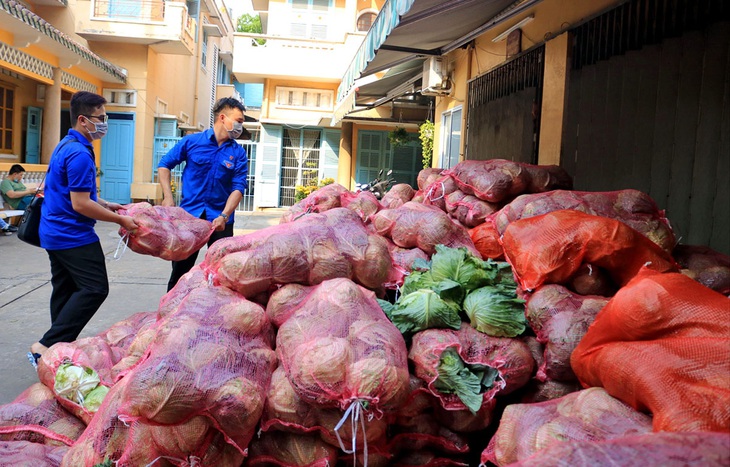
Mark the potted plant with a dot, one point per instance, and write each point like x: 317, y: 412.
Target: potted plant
x: 398, y: 137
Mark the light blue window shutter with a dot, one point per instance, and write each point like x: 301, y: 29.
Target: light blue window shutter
x: 268, y: 168
x: 331, y: 158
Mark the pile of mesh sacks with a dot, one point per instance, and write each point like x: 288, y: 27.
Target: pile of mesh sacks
x: 489, y: 316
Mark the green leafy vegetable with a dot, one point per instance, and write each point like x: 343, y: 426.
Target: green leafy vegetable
x: 75, y: 382
x: 468, y: 382
x: 496, y: 311
x: 93, y: 399
x: 459, y: 265
x: 424, y: 309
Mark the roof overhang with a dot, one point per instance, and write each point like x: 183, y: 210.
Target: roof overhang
x: 405, y: 34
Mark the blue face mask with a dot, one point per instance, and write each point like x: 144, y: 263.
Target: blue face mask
x: 100, y: 130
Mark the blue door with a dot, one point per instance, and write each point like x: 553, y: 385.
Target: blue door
x: 117, y: 158
x: 33, y: 135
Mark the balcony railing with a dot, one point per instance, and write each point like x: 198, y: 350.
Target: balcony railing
x: 132, y: 10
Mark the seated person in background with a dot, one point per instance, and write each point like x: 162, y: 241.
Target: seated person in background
x: 17, y: 195
x: 6, y: 229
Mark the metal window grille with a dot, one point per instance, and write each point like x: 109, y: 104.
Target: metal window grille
x: 300, y: 161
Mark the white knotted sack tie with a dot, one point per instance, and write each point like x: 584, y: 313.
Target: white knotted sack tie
x: 429, y: 193
x: 355, y: 413
x: 124, y: 240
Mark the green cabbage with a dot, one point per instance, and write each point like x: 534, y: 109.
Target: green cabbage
x: 468, y: 382
x: 496, y: 311
x: 75, y: 382
x: 93, y: 399
x: 423, y: 309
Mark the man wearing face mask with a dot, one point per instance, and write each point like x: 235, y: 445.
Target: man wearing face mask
x: 214, y: 177
x: 70, y: 210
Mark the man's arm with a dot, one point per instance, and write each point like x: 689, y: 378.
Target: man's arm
x: 165, y: 177
x: 7, y: 190
x: 83, y: 204
x: 219, y: 223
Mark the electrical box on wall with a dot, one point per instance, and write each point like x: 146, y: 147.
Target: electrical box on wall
x: 432, y: 72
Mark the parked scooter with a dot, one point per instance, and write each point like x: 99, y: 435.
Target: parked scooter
x: 378, y: 186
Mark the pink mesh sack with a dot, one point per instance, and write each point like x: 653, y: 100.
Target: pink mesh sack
x: 28, y: 454
x: 468, y: 209
x: 276, y: 448
x: 363, y: 203
x: 397, y: 196
x: 211, y: 357
x: 36, y: 416
x: 167, y: 232
x: 403, y: 259
x: 72, y: 370
x: 122, y: 334
x: 509, y: 359
x: 664, y: 449
x: 435, y: 193
x: 309, y: 251
x: 632, y: 207
x: 705, y: 265
x: 338, y: 348
x: 321, y: 200
x: 107, y: 438
x: 424, y: 432
x: 416, y: 225
x: 588, y: 415
x: 427, y: 176
x: 560, y: 319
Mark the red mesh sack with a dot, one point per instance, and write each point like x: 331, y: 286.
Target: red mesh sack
x: 560, y: 319
x: 29, y: 454
x: 661, y: 344
x: 320, y: 200
x: 211, y: 357
x: 435, y: 193
x: 510, y: 358
x: 167, y: 232
x: 705, y: 265
x: 338, y: 348
x: 290, y: 450
x: 468, y: 209
x: 427, y: 176
x: 93, y: 355
x: 588, y: 415
x: 397, y: 196
x: 632, y: 207
x: 311, y: 250
x: 424, y: 432
x: 418, y: 225
x: 284, y: 410
x: 550, y: 248
x: 36, y: 416
x: 107, y: 438
x: 545, y: 178
x: 363, y: 203
x: 122, y: 334
x: 486, y: 239
x: 664, y: 449
x: 403, y: 259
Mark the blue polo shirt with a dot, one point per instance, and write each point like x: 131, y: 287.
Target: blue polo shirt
x: 72, y: 168
x: 211, y: 172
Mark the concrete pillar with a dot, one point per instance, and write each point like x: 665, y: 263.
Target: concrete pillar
x: 554, y: 92
x: 344, y: 165
x: 50, y: 134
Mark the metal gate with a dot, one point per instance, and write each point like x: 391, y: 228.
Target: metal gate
x: 250, y: 146
x: 647, y: 109
x: 504, y: 110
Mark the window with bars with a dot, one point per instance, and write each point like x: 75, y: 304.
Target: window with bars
x: 310, y: 99
x: 365, y: 20
x: 300, y: 161
x: 7, y: 110
x: 204, y: 51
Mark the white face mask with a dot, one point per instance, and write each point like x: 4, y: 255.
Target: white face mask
x: 100, y: 129
x: 236, y: 130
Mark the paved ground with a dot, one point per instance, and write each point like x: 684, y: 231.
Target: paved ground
x: 137, y: 283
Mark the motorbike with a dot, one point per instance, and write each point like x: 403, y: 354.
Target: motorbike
x: 378, y: 186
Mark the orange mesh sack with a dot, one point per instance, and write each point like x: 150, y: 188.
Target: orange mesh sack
x: 167, y: 232
x: 661, y: 345
x: 211, y: 357
x: 79, y: 373
x: 416, y: 225
x: 338, y: 348
x: 560, y: 319
x: 550, y: 248
x: 107, y: 438
x: 632, y: 207
x: 320, y: 200
x: 587, y: 415
x: 506, y: 363
x: 486, y: 239
x: 313, y: 249
x: 652, y: 449
x: 36, y: 416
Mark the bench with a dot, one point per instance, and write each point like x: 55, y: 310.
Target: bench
x: 32, y: 178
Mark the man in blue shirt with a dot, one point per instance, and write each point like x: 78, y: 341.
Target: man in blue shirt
x: 214, y: 177
x: 71, y: 207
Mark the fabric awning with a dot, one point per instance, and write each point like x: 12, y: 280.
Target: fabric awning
x: 406, y: 32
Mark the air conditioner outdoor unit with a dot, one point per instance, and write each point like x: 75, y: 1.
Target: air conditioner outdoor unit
x: 435, y: 77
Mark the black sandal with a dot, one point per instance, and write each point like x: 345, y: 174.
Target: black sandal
x: 33, y: 359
